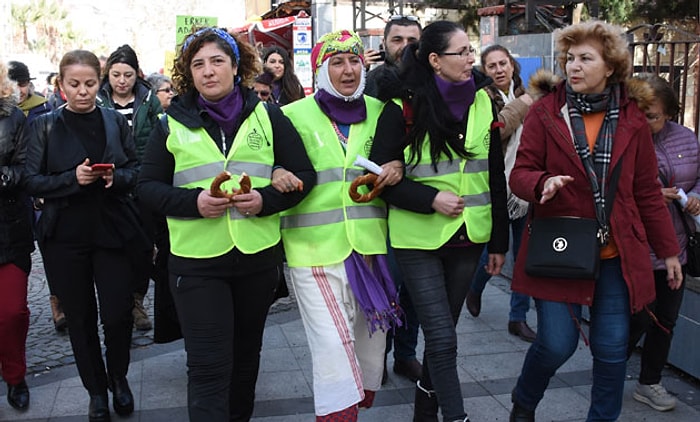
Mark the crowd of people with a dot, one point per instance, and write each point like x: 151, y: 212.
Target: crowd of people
x: 208, y: 181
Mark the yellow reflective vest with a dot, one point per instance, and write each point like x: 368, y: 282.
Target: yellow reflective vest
x: 198, y: 161
x: 327, y: 225
x: 466, y: 178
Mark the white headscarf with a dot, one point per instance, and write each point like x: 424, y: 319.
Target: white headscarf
x: 323, y: 81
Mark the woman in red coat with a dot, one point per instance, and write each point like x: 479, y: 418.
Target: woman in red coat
x: 591, y: 114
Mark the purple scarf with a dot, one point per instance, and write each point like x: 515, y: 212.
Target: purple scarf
x: 458, y: 96
x: 339, y: 110
x: 375, y: 291
x: 226, y: 110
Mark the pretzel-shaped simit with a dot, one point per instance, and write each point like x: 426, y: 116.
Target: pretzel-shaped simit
x: 367, y: 179
x: 215, y: 188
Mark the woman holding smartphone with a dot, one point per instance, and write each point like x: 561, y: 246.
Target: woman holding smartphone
x: 87, y: 225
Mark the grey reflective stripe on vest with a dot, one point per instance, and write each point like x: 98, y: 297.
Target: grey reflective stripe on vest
x: 426, y: 170
x: 329, y: 175
x: 476, y: 166
x: 263, y: 171
x: 477, y: 200
x: 194, y: 174
x: 336, y: 175
x: 367, y: 211
x: 351, y: 174
x: 330, y: 217
x: 234, y: 214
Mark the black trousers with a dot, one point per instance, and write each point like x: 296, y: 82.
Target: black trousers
x: 76, y: 270
x: 222, y: 319
x: 657, y: 342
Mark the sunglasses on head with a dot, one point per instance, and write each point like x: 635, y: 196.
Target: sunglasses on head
x: 403, y: 18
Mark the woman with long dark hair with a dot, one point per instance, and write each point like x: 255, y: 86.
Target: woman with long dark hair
x: 286, y: 87
x: 451, y: 202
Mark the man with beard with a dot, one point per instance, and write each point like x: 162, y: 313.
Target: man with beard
x: 398, y: 33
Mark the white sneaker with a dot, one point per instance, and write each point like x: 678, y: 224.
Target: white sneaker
x: 654, y: 395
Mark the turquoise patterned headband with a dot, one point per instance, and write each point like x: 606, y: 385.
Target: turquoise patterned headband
x: 221, y: 34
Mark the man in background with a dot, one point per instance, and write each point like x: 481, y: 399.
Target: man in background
x: 31, y: 103
x: 398, y: 33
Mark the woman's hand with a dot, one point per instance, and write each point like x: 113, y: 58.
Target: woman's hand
x: 448, y: 203
x: 248, y: 203
x: 285, y: 181
x: 392, y: 173
x: 674, y: 272
x: 212, y: 206
x: 86, y: 175
x: 671, y: 194
x: 692, y: 207
x: 495, y: 264
x: 552, y: 186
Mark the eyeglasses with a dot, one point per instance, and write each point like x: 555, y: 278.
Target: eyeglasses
x: 263, y: 93
x: 168, y: 90
x: 402, y: 18
x: 464, y: 53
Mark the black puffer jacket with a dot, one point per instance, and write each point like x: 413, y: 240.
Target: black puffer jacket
x: 15, y: 225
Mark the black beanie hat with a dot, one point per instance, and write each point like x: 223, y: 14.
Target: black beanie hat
x: 123, y: 54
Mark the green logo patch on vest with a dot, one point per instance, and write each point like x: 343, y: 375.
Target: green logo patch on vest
x: 487, y: 141
x: 368, y: 146
x: 254, y: 140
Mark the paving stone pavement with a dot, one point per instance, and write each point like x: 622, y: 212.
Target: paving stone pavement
x: 48, y: 349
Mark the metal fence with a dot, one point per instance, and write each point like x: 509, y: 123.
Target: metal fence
x: 674, y: 54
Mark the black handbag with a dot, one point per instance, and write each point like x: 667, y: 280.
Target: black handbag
x: 569, y: 247
x: 563, y: 247
x: 692, y: 249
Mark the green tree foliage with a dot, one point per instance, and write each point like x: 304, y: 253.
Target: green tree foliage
x: 656, y: 11
x: 41, y: 26
x: 617, y: 11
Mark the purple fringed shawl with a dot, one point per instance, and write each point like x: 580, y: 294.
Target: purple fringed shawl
x: 374, y: 290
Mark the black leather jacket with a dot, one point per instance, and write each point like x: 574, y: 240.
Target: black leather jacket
x: 52, y: 156
x: 15, y: 225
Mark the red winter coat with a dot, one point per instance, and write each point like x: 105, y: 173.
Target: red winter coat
x: 639, y: 218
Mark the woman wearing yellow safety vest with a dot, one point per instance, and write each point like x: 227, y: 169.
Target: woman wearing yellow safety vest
x: 336, y: 248
x: 450, y: 203
x: 225, y: 253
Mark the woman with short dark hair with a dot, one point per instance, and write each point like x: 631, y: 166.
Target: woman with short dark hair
x: 225, y: 254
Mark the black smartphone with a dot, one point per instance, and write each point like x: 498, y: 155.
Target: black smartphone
x: 382, y: 55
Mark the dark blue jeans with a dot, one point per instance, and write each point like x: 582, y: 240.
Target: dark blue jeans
x: 519, y: 303
x: 557, y: 339
x: 438, y: 282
